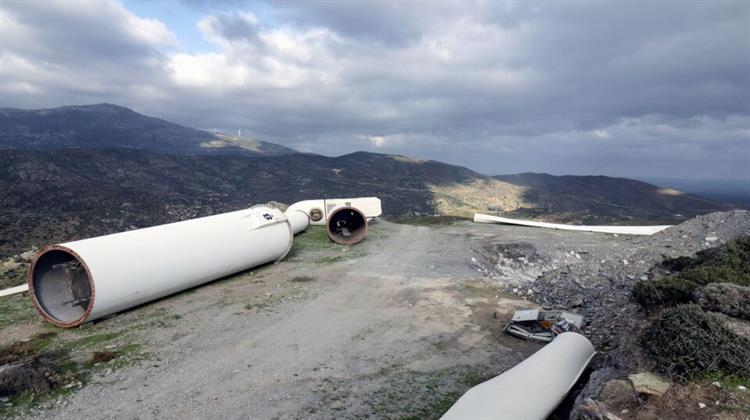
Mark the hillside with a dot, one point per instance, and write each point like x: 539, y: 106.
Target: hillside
x: 80, y: 171
x: 107, y: 125
x: 592, y: 197
x: 75, y: 193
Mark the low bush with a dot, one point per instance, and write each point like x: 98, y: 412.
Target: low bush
x: 686, y: 343
x: 726, y: 264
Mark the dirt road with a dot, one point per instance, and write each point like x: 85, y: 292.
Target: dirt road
x: 400, y: 325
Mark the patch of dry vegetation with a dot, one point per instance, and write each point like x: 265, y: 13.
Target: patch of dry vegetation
x: 687, y: 343
x: 478, y: 196
x: 232, y: 141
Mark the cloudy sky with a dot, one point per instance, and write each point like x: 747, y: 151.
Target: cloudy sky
x: 637, y: 89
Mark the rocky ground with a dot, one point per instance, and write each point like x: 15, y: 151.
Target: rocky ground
x: 596, y: 280
x: 397, y: 327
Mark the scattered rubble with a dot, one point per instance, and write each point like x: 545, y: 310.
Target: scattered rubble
x: 599, y: 284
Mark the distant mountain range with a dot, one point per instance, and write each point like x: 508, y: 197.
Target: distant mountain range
x: 79, y: 171
x: 112, y: 126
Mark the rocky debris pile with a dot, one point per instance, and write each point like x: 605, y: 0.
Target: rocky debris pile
x: 603, y: 295
x: 694, y: 235
x: 598, y: 285
x: 514, y: 264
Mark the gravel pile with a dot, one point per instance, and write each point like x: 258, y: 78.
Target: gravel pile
x: 598, y: 284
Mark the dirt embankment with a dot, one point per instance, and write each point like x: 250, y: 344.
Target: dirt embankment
x: 595, y: 277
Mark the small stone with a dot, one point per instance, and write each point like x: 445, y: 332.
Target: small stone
x: 701, y: 405
x: 624, y: 262
x: 648, y: 383
x: 716, y: 384
x: 616, y: 393
x: 529, y: 292
x: 711, y: 238
x: 742, y: 388
x: 644, y: 278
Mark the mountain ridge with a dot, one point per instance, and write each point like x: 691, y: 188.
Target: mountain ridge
x: 113, y: 126
x: 75, y: 190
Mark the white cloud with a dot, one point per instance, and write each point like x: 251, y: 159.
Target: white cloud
x: 377, y: 141
x: 602, y: 134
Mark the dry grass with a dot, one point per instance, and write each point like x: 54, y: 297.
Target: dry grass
x: 478, y: 196
x: 670, y: 191
x: 232, y: 141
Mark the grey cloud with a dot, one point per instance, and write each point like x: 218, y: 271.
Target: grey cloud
x: 499, y: 87
x: 235, y: 27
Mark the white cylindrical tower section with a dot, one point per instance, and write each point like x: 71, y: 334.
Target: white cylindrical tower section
x: 80, y: 281
x: 347, y: 226
x: 298, y: 220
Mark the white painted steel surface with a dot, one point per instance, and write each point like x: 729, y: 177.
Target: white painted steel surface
x: 298, y: 220
x: 14, y: 290
x: 369, y: 206
x: 130, y: 268
x: 533, y: 388
x: 624, y: 230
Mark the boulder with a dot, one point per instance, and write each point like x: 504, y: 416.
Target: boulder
x: 649, y: 384
x: 728, y: 298
x: 617, y: 393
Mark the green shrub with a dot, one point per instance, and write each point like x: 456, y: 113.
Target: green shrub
x: 726, y: 264
x: 687, y: 343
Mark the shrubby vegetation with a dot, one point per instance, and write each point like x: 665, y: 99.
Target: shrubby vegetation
x: 687, y: 343
x: 727, y: 264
